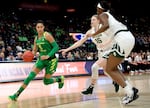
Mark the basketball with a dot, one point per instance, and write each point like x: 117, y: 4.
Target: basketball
x: 27, y: 56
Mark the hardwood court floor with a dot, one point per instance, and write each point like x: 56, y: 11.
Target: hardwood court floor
x: 37, y: 95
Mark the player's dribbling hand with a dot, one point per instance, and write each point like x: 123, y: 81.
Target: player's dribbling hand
x: 44, y: 57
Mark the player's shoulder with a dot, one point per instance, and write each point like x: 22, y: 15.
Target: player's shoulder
x: 47, y: 34
x: 107, y: 13
x: 104, y: 15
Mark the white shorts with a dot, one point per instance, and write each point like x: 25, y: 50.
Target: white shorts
x: 123, y: 44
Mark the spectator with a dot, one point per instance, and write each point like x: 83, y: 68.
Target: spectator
x: 19, y: 56
x: 70, y: 56
x: 77, y: 55
x: 2, y: 54
x: 10, y: 52
x: 2, y: 44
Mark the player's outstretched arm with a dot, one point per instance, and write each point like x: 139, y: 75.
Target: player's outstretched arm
x: 75, y: 45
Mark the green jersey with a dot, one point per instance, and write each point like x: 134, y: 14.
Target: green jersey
x: 44, y: 46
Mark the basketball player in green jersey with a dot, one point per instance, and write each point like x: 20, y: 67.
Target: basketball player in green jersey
x: 47, y: 47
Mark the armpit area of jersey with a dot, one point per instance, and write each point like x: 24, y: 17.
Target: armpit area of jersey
x: 121, y: 31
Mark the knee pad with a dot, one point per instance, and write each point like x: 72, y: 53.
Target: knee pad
x: 95, y: 72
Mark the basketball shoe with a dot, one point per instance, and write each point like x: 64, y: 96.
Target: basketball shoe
x: 61, y: 82
x: 13, y: 97
x: 89, y: 90
x: 128, y: 99
x: 116, y: 86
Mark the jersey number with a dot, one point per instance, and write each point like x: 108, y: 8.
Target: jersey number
x: 98, y: 40
x: 40, y: 47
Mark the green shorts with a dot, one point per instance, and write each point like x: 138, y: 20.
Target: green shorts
x: 49, y: 65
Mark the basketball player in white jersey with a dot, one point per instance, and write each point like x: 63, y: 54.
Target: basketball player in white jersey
x: 103, y: 43
x: 123, y: 44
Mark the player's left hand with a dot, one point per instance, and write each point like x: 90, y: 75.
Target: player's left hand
x: 44, y: 57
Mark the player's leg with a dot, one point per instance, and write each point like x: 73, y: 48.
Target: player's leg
x: 49, y: 70
x: 114, y: 83
x: 101, y: 55
x: 95, y: 67
x: 124, y: 49
x: 126, y: 81
x: 94, y: 78
x: 112, y: 70
x: 35, y: 70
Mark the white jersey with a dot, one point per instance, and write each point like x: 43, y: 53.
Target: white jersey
x: 102, y: 41
x: 119, y: 44
x: 114, y: 25
x: 123, y: 39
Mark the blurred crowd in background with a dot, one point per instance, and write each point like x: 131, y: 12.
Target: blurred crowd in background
x: 17, y: 35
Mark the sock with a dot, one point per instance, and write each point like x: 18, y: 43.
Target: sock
x: 26, y: 82
x: 128, y: 90
x: 51, y: 80
x: 19, y: 91
x: 127, y: 83
x: 58, y: 79
x: 92, y: 85
x: 29, y: 78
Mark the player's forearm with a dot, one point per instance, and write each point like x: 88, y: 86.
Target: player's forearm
x: 102, y: 29
x: 77, y: 44
x: 34, y: 52
x: 74, y: 46
x: 54, y: 49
